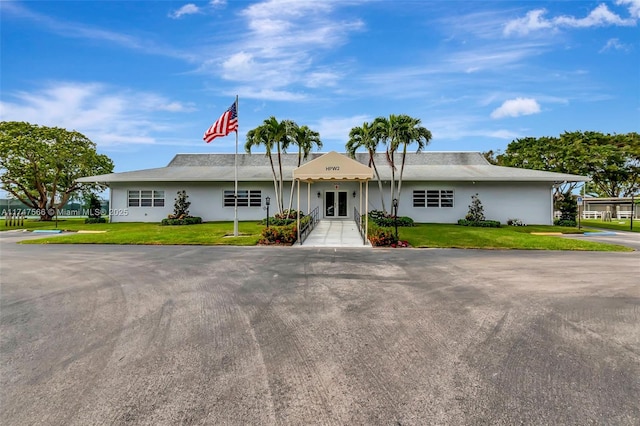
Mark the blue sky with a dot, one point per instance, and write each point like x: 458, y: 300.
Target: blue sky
x: 145, y: 79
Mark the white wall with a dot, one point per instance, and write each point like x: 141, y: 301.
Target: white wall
x: 207, y: 200
x: 529, y: 202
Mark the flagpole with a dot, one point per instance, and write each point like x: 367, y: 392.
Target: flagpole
x: 235, y: 213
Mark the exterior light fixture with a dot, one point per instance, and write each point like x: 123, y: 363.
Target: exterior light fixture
x: 395, y: 215
x: 354, y: 194
x: 267, y: 202
x: 319, y: 194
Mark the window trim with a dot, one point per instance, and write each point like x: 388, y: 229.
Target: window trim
x: 246, y: 198
x: 433, y: 198
x: 152, y: 198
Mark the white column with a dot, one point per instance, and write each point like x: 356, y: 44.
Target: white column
x: 298, y: 214
x: 366, y: 213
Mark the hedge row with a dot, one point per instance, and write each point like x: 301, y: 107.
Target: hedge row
x: 480, y: 223
x: 191, y: 220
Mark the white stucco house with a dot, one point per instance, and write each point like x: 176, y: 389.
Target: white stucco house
x: 437, y: 187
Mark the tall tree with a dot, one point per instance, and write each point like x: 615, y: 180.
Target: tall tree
x: 306, y: 140
x: 273, y: 134
x: 612, y: 161
x: 550, y: 154
x: 40, y: 165
x: 386, y: 131
x: 365, y: 137
x: 395, y: 131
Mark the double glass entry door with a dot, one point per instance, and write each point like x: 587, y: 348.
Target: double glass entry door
x: 335, y: 204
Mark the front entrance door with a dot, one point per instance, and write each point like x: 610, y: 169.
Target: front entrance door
x: 335, y: 204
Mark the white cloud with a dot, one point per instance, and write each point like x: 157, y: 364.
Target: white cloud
x: 503, y: 134
x: 187, y: 9
x: 533, y: 21
x: 634, y: 7
x: 614, y: 44
x: 601, y: 16
x: 218, y: 3
x: 104, y: 114
x: 516, y: 107
x: 282, y: 46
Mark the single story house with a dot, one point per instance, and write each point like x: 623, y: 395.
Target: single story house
x: 600, y: 208
x: 436, y: 187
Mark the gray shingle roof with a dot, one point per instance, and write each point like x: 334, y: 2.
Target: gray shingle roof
x: 424, y: 166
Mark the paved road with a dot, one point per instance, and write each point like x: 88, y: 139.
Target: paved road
x: 216, y: 335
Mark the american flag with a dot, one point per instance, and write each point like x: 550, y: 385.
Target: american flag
x: 227, y: 123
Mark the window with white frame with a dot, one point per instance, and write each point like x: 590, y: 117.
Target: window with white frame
x: 145, y: 198
x: 246, y: 198
x: 433, y: 198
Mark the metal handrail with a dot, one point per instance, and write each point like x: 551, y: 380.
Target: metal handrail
x: 306, y: 230
x: 358, y: 220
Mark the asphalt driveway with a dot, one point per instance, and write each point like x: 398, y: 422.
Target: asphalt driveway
x: 225, y: 335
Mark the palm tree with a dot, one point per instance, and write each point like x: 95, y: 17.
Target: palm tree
x: 386, y: 131
x: 364, y: 137
x: 411, y: 132
x: 257, y: 137
x: 395, y: 131
x: 272, y: 133
x: 306, y: 139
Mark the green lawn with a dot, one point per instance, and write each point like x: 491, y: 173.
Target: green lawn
x: 211, y: 233
x: 217, y: 233
x: 507, y: 237
x: 615, y: 224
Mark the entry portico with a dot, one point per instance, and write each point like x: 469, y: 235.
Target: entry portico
x: 335, y: 167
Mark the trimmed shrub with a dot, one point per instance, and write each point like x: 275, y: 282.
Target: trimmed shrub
x: 480, y: 224
x: 191, y: 220
x: 180, y: 214
x: 565, y: 222
x: 273, y: 221
x: 383, y: 219
x: 98, y: 219
x: 280, y: 219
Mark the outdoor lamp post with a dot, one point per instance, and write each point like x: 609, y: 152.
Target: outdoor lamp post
x: 267, y: 202
x: 395, y: 215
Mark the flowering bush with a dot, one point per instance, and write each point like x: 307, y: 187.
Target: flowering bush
x: 279, y: 235
x: 515, y: 222
x: 381, y: 237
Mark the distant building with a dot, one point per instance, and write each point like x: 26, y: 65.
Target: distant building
x: 621, y: 208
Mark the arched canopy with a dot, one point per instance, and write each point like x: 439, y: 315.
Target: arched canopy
x: 332, y: 166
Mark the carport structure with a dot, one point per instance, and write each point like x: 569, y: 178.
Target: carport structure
x: 335, y: 167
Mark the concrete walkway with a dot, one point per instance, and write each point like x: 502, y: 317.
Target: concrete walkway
x: 335, y: 233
